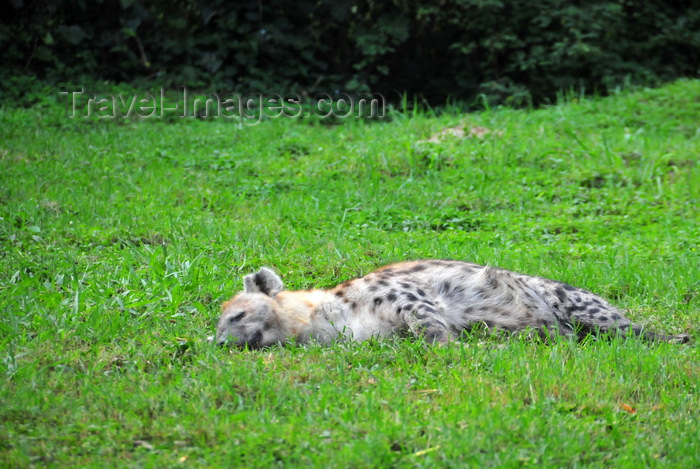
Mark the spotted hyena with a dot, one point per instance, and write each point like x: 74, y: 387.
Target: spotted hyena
x: 434, y: 299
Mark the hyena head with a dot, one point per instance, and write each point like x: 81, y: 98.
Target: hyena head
x: 250, y: 318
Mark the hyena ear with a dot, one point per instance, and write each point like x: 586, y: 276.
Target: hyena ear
x: 265, y: 281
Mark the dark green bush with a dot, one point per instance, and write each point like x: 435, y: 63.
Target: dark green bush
x: 515, y: 51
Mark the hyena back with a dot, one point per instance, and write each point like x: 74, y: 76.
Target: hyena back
x: 436, y: 299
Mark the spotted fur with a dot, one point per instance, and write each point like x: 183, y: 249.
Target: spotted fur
x: 435, y: 299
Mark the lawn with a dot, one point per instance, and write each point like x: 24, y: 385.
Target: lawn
x: 119, y: 239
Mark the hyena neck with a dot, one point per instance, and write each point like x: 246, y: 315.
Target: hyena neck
x: 299, y: 311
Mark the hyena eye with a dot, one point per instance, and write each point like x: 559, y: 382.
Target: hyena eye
x: 236, y: 318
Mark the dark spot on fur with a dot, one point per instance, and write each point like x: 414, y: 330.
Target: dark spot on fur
x: 616, y: 317
x: 428, y: 309
x: 405, y: 285
x: 340, y: 293
x: 417, y: 268
x: 354, y: 305
x: 574, y: 308
x: 421, y: 292
x: 561, y: 294
x: 568, y: 287
x: 445, y: 286
x: 421, y: 316
x: 383, y: 283
x: 603, y: 318
x: 398, y: 310
x: 410, y: 296
x: 391, y: 296
x: 593, y: 311
x: 378, y: 301
x: 373, y: 288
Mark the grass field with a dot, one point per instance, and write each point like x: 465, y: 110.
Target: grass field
x: 120, y: 239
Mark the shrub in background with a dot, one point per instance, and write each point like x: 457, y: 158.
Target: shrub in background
x: 509, y: 51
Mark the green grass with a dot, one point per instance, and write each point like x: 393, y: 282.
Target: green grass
x: 119, y: 240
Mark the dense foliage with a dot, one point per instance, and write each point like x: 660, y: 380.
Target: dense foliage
x: 515, y: 51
